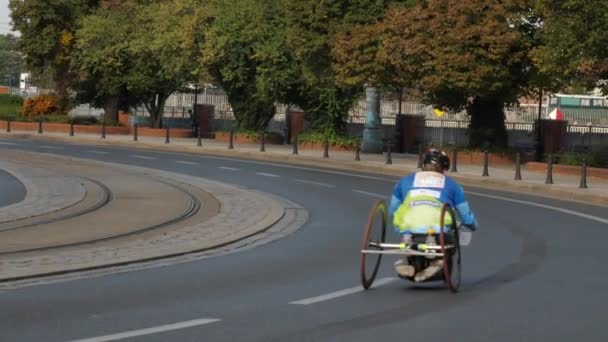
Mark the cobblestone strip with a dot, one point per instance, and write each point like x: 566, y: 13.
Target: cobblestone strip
x: 243, y: 215
x: 47, y: 191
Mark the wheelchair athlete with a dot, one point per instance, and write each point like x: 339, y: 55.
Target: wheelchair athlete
x: 416, y: 208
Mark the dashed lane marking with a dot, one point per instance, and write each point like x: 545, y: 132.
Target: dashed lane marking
x: 266, y: 174
x: 228, y: 168
x: 140, y: 156
x: 370, y: 194
x: 341, y: 293
x: 149, y: 331
x: 315, y: 183
x: 186, y: 162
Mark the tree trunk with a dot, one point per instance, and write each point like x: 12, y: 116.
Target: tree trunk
x: 487, y: 128
x: 110, y: 108
x: 156, y: 107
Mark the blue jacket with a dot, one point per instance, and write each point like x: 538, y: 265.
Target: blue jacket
x: 428, y: 190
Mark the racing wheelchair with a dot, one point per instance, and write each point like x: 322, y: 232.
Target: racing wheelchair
x: 374, y: 246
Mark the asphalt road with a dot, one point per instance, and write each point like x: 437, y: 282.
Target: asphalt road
x: 531, y: 273
x: 11, y: 189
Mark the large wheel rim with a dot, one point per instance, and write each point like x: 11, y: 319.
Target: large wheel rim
x: 451, y: 258
x: 372, y: 233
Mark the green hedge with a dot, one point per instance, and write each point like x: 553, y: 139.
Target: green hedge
x: 8, y: 99
x: 274, y: 136
x: 336, y: 140
x: 597, y: 157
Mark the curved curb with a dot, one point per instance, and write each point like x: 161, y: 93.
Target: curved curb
x: 218, y: 235
x: 36, y: 183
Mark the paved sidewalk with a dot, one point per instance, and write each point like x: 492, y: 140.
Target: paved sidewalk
x: 500, y: 178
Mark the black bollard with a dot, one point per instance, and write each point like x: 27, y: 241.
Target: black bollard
x: 263, y: 142
x: 135, y: 132
x: 71, y: 128
x: 199, y: 142
x: 420, y: 157
x: 358, y: 151
x: 167, y: 134
x: 454, y: 160
x: 583, y: 184
x: 485, y: 164
x: 231, y: 141
x: 295, y: 145
x: 326, y: 148
x: 389, y: 157
x: 517, y: 166
x: 39, y: 125
x: 549, y: 179
x: 103, y: 129
x: 8, y: 125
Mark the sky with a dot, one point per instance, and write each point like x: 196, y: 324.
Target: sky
x: 5, y: 20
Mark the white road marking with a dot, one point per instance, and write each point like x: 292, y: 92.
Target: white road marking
x: 98, y: 152
x: 149, y: 331
x: 315, y: 183
x: 370, y: 194
x: 341, y: 293
x: 142, y: 157
x: 7, y: 143
x: 228, y: 168
x: 544, y: 206
x: 266, y: 174
x: 52, y: 147
x: 186, y: 162
x: 384, y: 179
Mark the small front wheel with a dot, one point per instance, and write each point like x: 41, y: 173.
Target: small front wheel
x: 373, y: 235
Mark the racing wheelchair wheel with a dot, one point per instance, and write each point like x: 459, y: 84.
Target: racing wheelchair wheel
x: 450, y: 248
x: 374, y: 234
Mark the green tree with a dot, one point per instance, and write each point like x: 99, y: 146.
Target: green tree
x: 313, y: 29
x: 10, y: 60
x: 102, y: 60
x: 47, y: 38
x: 466, y: 55
x: 246, y: 54
x: 138, y: 53
x: 574, y: 49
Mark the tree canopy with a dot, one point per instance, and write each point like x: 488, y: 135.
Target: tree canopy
x: 574, y: 39
x: 138, y: 53
x: 10, y: 60
x: 47, y: 37
x: 249, y: 58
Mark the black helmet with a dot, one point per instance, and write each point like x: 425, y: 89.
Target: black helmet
x: 434, y: 156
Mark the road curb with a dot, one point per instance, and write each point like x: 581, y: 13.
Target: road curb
x: 548, y: 191
x: 183, y: 242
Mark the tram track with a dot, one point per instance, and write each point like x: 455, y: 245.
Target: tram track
x: 194, y: 205
x: 106, y: 198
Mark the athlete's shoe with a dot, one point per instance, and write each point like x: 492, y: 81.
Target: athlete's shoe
x: 404, y: 269
x: 431, y: 270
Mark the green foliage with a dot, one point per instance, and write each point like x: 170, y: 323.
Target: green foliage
x: 134, y: 53
x: 47, y: 38
x: 333, y: 139
x: 10, y: 60
x: 596, y: 157
x: 8, y: 99
x: 574, y: 41
x: 255, y: 135
x: 246, y: 53
x: 9, y: 110
x: 312, y: 30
